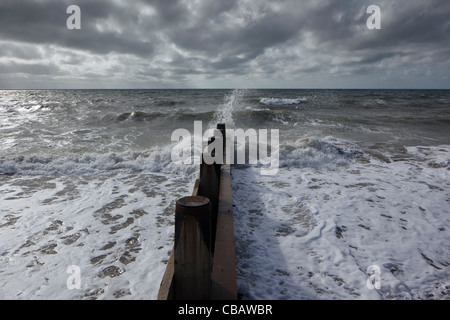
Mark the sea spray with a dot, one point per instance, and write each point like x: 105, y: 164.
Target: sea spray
x: 232, y: 102
x: 236, y: 147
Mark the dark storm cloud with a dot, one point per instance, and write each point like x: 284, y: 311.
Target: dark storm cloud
x: 44, y: 22
x: 175, y: 40
x: 219, y: 34
x: 418, y: 22
x: 377, y: 57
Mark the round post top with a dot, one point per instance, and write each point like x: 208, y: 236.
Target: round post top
x: 193, y: 205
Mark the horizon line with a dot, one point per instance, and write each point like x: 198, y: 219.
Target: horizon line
x: 23, y: 89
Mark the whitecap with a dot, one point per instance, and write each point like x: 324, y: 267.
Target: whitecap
x: 282, y: 101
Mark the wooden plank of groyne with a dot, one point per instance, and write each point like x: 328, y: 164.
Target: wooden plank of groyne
x: 196, y: 186
x: 224, y: 286
x: 166, y: 287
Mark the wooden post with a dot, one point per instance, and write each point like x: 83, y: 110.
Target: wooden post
x: 209, y: 188
x: 166, y: 291
x: 215, y: 165
x: 221, y: 128
x: 192, y: 274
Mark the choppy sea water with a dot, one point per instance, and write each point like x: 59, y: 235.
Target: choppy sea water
x: 86, y: 179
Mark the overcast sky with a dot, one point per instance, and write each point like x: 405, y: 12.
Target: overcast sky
x: 225, y: 44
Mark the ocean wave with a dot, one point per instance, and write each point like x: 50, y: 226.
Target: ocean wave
x: 308, y: 152
x: 192, y: 115
x: 156, y: 160
x: 166, y: 102
x: 314, y: 152
x: 138, y: 116
x: 282, y: 101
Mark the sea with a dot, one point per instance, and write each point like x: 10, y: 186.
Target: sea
x: 359, y: 208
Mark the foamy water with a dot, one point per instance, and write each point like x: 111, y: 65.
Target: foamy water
x: 312, y: 231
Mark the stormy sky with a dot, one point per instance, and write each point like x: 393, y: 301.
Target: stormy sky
x: 224, y: 44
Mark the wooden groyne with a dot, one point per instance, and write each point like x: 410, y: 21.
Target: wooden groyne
x: 202, y: 264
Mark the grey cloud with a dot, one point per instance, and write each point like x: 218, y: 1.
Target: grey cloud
x: 410, y: 23
x: 222, y: 36
x: 44, y: 22
x: 29, y: 68
x: 377, y: 57
x: 284, y: 39
x: 20, y: 51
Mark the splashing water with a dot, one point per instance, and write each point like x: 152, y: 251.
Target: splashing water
x: 232, y: 102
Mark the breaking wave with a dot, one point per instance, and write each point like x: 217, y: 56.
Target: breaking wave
x: 282, y: 101
x: 308, y: 152
x: 155, y: 160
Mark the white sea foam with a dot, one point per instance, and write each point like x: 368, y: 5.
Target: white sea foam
x: 314, y: 152
x: 116, y: 228
x: 282, y: 101
x: 109, y: 214
x: 311, y: 231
